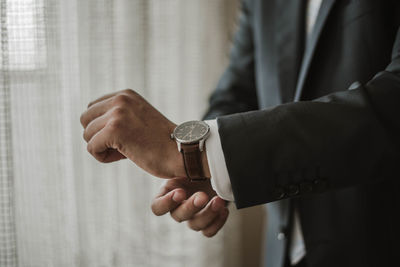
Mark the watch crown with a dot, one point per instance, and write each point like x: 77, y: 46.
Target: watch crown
x: 172, y: 136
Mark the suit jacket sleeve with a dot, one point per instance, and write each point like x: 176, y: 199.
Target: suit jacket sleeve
x: 235, y: 91
x: 343, y: 139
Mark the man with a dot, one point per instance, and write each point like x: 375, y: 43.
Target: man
x: 320, y: 146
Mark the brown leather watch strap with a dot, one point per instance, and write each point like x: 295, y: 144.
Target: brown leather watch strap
x: 192, y: 161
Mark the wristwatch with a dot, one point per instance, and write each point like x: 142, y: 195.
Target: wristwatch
x: 190, y: 137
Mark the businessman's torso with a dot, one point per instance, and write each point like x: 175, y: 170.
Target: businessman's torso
x: 357, y: 226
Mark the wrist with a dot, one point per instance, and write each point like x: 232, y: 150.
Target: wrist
x: 177, y: 163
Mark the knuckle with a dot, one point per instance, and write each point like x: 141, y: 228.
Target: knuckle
x: 134, y: 96
x: 118, y: 112
x: 115, y: 124
x: 117, y: 120
x: 122, y: 100
x: 129, y: 91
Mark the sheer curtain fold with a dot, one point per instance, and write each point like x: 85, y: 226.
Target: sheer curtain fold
x: 59, y: 206
x: 8, y: 246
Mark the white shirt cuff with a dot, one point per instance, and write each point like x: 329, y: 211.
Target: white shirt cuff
x: 297, y: 247
x: 216, y: 161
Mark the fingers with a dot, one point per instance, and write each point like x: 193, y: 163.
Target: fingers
x: 206, y: 216
x: 216, y: 225
x: 107, y: 96
x: 94, y: 111
x: 202, y: 215
x: 94, y: 126
x: 168, y: 202
x: 190, y: 207
x: 102, y: 148
x: 97, y: 144
x: 104, y: 97
x: 99, y: 140
x: 99, y: 106
x: 112, y: 155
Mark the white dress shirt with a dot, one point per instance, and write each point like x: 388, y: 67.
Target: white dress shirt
x: 216, y: 160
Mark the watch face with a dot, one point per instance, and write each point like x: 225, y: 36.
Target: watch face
x: 191, y: 131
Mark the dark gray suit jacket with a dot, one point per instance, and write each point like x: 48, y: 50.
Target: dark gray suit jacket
x: 324, y: 132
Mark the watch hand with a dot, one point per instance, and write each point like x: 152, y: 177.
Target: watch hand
x: 185, y: 135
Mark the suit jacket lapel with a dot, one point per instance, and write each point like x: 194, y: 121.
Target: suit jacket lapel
x: 325, y: 9
x: 289, y: 41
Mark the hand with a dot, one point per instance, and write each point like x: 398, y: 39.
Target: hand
x: 194, y: 202
x: 124, y: 125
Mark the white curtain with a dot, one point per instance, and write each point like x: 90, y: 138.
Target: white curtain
x: 59, y: 207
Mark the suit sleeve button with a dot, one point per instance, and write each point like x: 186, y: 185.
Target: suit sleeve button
x: 293, y: 190
x: 354, y: 85
x: 279, y: 193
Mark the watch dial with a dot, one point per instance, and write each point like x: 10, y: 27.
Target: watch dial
x: 191, y: 131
